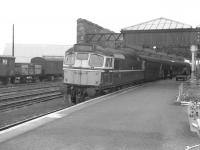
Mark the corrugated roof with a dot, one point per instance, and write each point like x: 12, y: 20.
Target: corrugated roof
x: 158, y: 24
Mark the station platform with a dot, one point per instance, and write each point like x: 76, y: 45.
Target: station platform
x: 140, y: 118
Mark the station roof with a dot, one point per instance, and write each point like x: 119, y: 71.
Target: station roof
x: 158, y: 24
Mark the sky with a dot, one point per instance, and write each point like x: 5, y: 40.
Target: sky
x: 54, y: 21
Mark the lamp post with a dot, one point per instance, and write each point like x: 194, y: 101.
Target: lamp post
x: 193, y: 49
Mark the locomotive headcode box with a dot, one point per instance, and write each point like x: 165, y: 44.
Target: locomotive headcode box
x: 83, y: 47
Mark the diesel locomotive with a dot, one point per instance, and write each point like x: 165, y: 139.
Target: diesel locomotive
x: 92, y: 69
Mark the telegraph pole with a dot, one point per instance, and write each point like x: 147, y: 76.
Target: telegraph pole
x: 13, y: 42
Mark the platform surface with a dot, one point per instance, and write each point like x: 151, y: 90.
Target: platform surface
x: 144, y: 118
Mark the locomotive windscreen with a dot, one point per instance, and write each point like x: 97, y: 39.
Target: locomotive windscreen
x: 83, y: 47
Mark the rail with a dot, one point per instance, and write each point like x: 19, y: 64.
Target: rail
x: 28, y: 87
x: 30, y: 101
x: 18, y: 99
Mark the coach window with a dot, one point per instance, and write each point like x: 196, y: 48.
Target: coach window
x: 143, y: 65
x: 117, y: 64
x: 108, y: 62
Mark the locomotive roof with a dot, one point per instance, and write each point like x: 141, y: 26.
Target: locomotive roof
x: 105, y: 51
x: 127, y: 52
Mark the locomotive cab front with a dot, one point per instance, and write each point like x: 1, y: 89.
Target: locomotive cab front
x: 83, y: 68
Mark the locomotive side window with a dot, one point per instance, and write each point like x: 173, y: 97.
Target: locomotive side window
x: 82, y: 56
x: 143, y: 65
x: 96, y: 60
x: 69, y: 59
x: 108, y: 62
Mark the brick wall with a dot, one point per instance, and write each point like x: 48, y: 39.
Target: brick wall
x: 85, y: 27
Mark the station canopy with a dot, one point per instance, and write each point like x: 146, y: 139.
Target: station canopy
x: 169, y: 36
x: 159, y: 24
x: 161, y: 34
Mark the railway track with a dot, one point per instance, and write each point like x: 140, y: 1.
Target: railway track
x: 20, y: 98
x: 29, y: 101
x: 29, y: 83
x: 29, y: 87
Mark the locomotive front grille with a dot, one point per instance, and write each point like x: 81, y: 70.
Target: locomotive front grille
x: 82, y: 77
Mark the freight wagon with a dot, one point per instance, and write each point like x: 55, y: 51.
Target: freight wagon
x: 40, y: 68
x: 27, y: 72
x: 7, y: 68
x: 51, y: 66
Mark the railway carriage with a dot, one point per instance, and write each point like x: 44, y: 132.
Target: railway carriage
x: 27, y: 72
x: 92, y: 69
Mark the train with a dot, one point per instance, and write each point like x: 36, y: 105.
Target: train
x: 91, y: 69
x: 39, y: 69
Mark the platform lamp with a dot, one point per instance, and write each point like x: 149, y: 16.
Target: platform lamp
x: 193, y: 49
